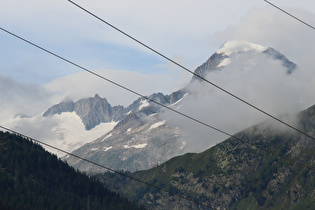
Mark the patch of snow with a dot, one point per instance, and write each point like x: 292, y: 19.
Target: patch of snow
x: 224, y: 62
x: 231, y: 47
x: 183, y: 145
x: 107, y: 148
x: 94, y: 149
x: 152, y: 115
x: 173, y: 104
x: 139, y: 146
x: 143, y: 103
x: 128, y: 130
x: 107, y: 136
x: 128, y: 112
x: 65, y: 131
x: 126, y: 146
x: 155, y: 125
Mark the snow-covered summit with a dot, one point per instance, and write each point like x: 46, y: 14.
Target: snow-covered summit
x: 232, y: 52
x: 231, y: 47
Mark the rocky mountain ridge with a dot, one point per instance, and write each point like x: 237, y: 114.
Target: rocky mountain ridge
x: 144, y: 134
x: 140, y: 140
x: 96, y: 110
x: 143, y: 138
x: 92, y: 111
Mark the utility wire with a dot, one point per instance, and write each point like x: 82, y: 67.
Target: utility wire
x: 156, y: 102
x: 141, y: 181
x: 293, y: 16
x: 117, y: 84
x: 196, y: 75
x: 145, y: 97
x: 104, y: 167
x: 198, y: 121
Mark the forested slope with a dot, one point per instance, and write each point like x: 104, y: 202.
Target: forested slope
x: 32, y: 178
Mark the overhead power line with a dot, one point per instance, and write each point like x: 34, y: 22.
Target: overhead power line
x: 104, y: 167
x: 117, y: 84
x: 197, y: 75
x: 139, y: 180
x: 156, y: 102
x: 145, y: 97
x: 293, y: 16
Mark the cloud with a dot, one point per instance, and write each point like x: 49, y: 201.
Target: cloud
x: 21, y: 98
x: 184, y: 30
x: 256, y: 78
x: 80, y: 85
x: 270, y: 27
x: 31, y: 99
x: 179, y: 30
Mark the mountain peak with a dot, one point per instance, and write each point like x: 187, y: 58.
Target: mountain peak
x: 225, y: 57
x: 64, y: 106
x: 231, y: 47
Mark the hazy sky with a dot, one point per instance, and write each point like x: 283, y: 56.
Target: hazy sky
x: 186, y: 31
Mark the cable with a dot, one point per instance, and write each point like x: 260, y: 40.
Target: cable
x: 145, y: 97
x: 200, y: 77
x: 158, y: 103
x: 141, y: 181
x: 101, y: 166
x: 296, y: 18
x: 117, y: 84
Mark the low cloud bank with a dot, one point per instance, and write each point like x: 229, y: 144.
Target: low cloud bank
x: 256, y: 78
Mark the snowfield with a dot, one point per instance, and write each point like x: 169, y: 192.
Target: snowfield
x: 156, y: 125
x: 143, y: 103
x: 65, y: 131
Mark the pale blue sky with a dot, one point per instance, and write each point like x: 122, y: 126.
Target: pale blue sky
x: 183, y: 30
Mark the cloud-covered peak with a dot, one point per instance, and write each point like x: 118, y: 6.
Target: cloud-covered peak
x: 231, y: 47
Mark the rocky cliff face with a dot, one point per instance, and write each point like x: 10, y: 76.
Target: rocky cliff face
x: 92, y: 111
x: 65, y: 106
x: 140, y: 140
x: 235, y: 175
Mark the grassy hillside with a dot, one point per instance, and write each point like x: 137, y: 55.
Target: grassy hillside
x: 31, y: 178
x: 234, y: 175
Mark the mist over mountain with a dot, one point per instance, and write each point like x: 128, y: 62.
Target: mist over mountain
x: 148, y: 134
x: 273, y: 170
x: 257, y: 74
x: 144, y: 134
x: 223, y: 57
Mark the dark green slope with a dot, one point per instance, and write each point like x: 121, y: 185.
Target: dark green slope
x: 234, y: 175
x: 31, y: 178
